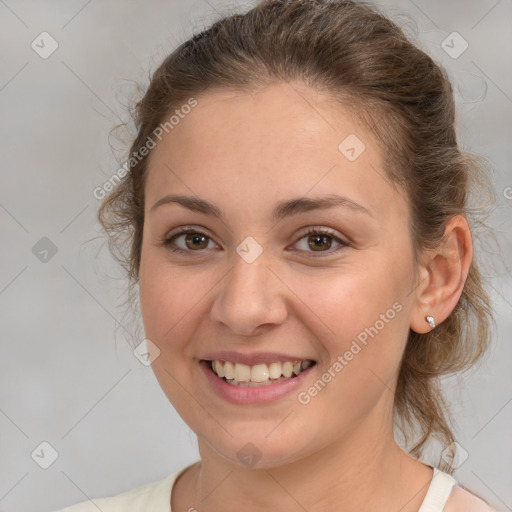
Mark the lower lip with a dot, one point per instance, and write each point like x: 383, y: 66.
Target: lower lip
x: 245, y: 395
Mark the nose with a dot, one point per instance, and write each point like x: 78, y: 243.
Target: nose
x: 250, y: 298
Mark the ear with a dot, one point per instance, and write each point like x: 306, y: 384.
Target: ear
x: 443, y: 273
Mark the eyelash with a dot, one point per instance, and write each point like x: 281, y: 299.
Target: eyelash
x: 167, y: 242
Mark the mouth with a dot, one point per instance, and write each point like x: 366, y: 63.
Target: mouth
x: 263, y: 374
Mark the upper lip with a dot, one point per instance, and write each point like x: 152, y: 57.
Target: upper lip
x: 252, y: 359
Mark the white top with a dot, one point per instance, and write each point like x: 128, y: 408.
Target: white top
x: 438, y: 491
x: 156, y: 497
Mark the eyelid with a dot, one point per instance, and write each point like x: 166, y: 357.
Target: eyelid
x: 310, y: 230
x: 319, y: 229
x: 184, y: 230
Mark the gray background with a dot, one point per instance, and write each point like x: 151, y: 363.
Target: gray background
x: 67, y: 372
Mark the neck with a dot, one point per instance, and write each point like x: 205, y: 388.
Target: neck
x: 365, y: 470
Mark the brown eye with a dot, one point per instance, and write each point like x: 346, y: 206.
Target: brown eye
x: 188, y: 241
x: 196, y: 241
x: 319, y: 242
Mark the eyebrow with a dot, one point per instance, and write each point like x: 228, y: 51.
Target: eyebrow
x: 281, y: 210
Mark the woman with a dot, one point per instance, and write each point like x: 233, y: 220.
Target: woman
x: 295, y: 213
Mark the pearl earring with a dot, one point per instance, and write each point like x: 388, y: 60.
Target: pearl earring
x: 431, y: 321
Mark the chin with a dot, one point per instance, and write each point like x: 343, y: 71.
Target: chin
x: 258, y: 449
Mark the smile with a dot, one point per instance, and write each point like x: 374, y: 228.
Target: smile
x: 264, y: 374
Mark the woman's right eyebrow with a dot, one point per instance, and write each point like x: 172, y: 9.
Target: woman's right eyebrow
x: 281, y: 210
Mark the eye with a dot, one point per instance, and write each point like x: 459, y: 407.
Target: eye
x: 192, y: 241
x: 320, y: 240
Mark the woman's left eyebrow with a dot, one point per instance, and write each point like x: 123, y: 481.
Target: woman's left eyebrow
x: 281, y: 210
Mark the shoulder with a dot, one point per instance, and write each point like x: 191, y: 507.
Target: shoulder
x: 462, y: 500
x: 155, y: 495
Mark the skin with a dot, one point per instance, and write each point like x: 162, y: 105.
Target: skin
x: 245, y: 152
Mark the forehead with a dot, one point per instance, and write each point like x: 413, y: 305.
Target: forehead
x: 266, y: 117
x: 282, y: 139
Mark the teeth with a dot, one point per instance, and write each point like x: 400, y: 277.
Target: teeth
x: 287, y: 369
x: 259, y: 374
x: 242, y: 372
x: 274, y: 370
x: 229, y: 370
x: 219, y: 369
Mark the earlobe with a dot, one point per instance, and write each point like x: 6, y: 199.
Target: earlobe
x: 445, y: 270
x: 431, y: 321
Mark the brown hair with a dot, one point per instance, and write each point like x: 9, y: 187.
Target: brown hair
x: 353, y: 52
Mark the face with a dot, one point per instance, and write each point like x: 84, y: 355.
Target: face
x: 266, y: 274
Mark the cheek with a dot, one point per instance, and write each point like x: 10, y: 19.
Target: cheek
x: 169, y: 299
x: 166, y: 299
x: 370, y: 327
x: 175, y: 301
x: 352, y: 299
x: 362, y: 312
